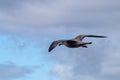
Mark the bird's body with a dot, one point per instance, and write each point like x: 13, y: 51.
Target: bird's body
x: 74, y: 43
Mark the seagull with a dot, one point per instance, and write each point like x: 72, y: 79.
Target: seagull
x: 73, y: 43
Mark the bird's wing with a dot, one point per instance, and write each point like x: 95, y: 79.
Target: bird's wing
x: 81, y: 37
x: 54, y: 44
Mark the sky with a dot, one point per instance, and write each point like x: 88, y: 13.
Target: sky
x: 27, y: 28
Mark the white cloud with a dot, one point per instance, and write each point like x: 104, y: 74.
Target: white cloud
x: 65, y: 72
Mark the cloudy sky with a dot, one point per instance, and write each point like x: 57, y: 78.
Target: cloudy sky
x: 27, y: 28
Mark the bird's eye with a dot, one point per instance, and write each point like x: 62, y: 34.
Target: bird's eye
x: 60, y: 44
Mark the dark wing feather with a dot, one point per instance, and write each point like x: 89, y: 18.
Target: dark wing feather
x: 81, y: 37
x: 96, y: 36
x: 53, y: 45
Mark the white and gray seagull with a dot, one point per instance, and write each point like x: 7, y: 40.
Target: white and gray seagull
x: 73, y: 43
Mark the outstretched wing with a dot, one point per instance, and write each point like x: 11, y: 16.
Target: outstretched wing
x: 81, y: 37
x: 53, y: 45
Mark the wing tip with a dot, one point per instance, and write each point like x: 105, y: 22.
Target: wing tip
x: 49, y: 50
x: 96, y: 36
x: 104, y: 36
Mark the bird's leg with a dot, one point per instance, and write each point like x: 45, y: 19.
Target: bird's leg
x: 85, y: 46
x: 89, y: 42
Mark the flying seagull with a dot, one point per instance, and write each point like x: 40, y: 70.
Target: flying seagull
x: 73, y: 43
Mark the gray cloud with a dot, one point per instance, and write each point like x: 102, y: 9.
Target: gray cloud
x: 99, y: 61
x: 59, y: 17
x: 68, y: 13
x: 9, y: 71
x: 84, y: 63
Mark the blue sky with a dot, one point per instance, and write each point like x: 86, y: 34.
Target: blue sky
x: 27, y: 28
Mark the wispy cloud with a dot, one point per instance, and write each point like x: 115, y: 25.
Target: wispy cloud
x: 9, y: 71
